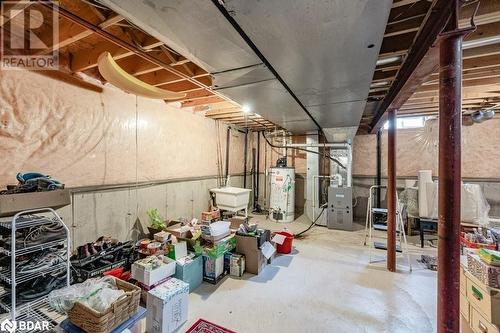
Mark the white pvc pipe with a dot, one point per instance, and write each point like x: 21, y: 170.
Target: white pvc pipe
x: 337, y: 145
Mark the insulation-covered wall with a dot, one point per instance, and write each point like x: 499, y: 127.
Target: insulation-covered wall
x: 417, y: 149
x: 86, y: 138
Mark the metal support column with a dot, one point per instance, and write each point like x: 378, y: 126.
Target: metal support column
x: 450, y: 122
x: 257, y: 172
x: 245, y: 160
x: 378, y: 181
x: 391, y: 192
x: 228, y: 138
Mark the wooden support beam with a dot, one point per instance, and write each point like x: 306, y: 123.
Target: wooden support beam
x: 202, y: 101
x: 162, y: 77
x: 135, y: 65
x: 420, y: 63
x: 87, y: 59
x: 11, y: 10
x: 75, y: 33
x: 172, y: 58
x: 186, y: 85
x: 232, y: 116
x: 218, y: 112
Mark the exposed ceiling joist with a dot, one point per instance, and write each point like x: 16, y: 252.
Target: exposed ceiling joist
x: 69, y: 37
x: 420, y: 63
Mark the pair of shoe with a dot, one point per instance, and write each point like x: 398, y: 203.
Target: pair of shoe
x: 41, y: 261
x: 101, y: 245
x: 42, y: 286
x: 43, y: 234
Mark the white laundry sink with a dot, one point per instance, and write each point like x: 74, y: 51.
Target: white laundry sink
x: 232, y: 198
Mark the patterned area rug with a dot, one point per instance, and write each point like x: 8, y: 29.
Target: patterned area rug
x: 203, y: 326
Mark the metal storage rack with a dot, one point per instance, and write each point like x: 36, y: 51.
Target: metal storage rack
x: 26, y: 219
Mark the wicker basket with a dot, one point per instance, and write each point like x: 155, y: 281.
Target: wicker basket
x: 121, y: 310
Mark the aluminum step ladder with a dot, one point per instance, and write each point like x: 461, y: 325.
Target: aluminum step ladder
x: 402, y: 247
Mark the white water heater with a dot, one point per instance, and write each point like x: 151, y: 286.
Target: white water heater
x: 282, y: 198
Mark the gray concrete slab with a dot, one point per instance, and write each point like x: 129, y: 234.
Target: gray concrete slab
x: 325, y: 285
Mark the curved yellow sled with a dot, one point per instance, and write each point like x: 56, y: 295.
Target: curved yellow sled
x: 115, y: 75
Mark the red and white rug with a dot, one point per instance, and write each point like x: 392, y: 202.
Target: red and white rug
x: 203, y: 326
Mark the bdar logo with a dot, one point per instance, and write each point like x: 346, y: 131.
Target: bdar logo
x: 8, y: 326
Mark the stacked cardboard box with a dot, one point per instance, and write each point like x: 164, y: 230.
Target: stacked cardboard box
x: 258, y: 251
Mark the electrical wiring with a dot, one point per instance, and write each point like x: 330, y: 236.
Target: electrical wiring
x: 306, y: 150
x: 313, y: 223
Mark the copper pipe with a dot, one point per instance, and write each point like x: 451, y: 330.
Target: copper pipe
x: 391, y: 192
x: 450, y: 121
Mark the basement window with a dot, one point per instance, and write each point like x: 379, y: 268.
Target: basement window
x: 408, y: 122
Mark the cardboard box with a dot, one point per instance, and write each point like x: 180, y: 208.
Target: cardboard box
x: 177, y: 250
x: 167, y: 306
x: 178, y: 230
x: 254, y: 259
x: 190, y: 271
x: 162, y: 236
x: 217, y: 238
x: 220, y: 247
x: 11, y: 204
x: 487, y: 274
x: 145, y: 289
x: 234, y: 264
x: 483, y: 298
x: 236, y: 221
x: 211, y: 215
x: 213, y: 268
x: 150, y: 277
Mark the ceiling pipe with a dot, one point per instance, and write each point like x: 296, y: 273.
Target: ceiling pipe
x: 470, y: 44
x: 388, y: 60
x: 336, y: 145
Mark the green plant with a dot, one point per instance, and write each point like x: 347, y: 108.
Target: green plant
x: 156, y: 219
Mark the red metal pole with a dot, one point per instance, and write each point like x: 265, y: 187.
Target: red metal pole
x: 391, y: 192
x: 450, y: 122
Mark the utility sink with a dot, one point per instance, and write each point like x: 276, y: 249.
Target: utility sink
x: 231, y: 198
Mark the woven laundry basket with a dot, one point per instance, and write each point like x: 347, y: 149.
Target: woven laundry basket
x: 121, y: 310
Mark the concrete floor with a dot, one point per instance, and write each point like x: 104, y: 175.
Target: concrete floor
x: 325, y: 285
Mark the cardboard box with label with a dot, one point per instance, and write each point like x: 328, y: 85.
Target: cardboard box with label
x: 220, y: 247
x: 190, y: 270
x: 149, y: 273
x: 167, y: 306
x: 178, y: 250
x: 213, y: 268
x: 234, y: 264
x: 255, y: 257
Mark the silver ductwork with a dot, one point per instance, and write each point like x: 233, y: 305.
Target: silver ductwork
x: 325, y: 53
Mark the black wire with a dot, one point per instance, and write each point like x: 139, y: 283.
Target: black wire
x: 306, y: 150
x: 312, y: 224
